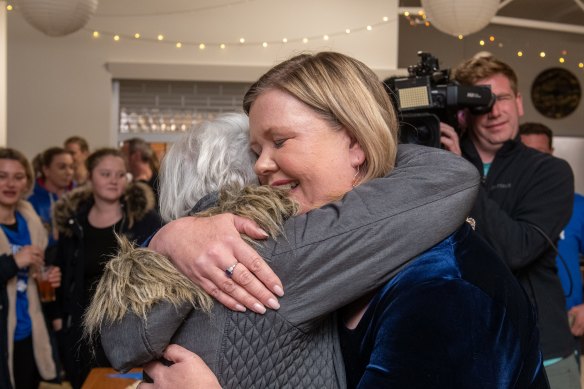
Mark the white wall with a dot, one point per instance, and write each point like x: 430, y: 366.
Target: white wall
x: 572, y: 150
x: 58, y: 87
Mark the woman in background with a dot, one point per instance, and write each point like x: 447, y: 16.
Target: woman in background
x: 56, y: 179
x: 87, y: 220
x: 26, y: 351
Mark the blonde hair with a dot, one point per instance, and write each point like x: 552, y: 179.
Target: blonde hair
x: 347, y: 94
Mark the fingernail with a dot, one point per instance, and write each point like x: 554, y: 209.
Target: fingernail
x: 278, y: 290
x: 259, y: 308
x: 240, y: 308
x: 264, y: 233
x: 273, y: 303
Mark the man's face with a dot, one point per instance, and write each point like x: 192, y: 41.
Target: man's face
x: 491, y: 130
x: 537, y: 141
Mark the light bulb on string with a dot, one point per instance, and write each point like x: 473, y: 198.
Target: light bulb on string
x: 137, y: 35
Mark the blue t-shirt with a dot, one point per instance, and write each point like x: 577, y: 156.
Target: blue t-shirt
x: 570, y: 246
x: 18, y: 238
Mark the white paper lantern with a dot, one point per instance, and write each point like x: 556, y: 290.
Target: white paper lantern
x: 57, y: 17
x: 460, y: 17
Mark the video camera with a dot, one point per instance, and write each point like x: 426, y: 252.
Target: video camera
x: 428, y: 96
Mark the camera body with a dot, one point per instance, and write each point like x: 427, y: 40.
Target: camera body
x: 428, y: 96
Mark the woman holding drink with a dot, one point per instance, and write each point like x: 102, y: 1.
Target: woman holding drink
x: 23, y: 239
x: 87, y: 219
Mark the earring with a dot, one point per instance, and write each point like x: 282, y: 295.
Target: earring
x: 355, y: 182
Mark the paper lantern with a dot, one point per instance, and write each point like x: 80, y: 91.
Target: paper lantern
x: 57, y: 17
x: 460, y: 17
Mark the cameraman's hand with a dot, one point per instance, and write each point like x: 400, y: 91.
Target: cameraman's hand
x: 449, y: 139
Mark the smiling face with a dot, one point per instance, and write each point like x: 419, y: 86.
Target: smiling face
x: 108, y: 178
x: 13, y: 182
x: 490, y: 131
x: 298, y: 149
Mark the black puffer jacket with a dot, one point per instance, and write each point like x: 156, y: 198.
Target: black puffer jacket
x: 140, y: 220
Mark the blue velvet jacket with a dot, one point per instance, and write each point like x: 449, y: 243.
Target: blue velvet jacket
x: 455, y: 317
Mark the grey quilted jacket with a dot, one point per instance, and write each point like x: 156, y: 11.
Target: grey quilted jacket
x: 326, y: 259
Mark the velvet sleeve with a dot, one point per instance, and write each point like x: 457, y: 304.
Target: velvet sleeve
x: 442, y: 334
x: 333, y: 255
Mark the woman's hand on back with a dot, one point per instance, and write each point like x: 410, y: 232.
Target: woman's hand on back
x: 202, y: 248
x: 187, y: 371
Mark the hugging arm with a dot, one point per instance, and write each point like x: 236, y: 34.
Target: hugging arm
x: 346, y: 249
x: 425, y: 198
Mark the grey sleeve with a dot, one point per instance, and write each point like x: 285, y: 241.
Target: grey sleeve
x: 335, y: 254
x: 134, y: 341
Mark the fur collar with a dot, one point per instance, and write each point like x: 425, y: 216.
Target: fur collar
x: 137, y: 201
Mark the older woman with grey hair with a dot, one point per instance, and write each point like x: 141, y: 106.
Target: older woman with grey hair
x: 207, y: 158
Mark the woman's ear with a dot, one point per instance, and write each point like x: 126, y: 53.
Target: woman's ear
x: 356, y: 153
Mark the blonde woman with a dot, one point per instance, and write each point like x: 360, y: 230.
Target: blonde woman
x: 27, y: 353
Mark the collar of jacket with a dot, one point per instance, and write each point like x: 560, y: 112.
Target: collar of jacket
x: 469, y: 150
x: 137, y: 201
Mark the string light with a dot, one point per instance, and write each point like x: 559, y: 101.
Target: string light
x: 95, y: 34
x: 9, y: 7
x: 460, y: 37
x: 284, y: 40
x: 369, y: 28
x: 520, y: 53
x: 137, y: 35
x: 160, y: 37
x: 242, y: 40
x: 116, y: 38
x: 406, y: 14
x: 202, y: 46
x: 348, y: 31
x: 562, y: 60
x: 492, y: 38
x: 265, y: 44
x: 482, y: 42
x: 222, y: 46
x: 178, y: 45
x: 581, y: 65
x: 326, y: 37
x: 542, y: 54
x: 385, y: 19
x: 304, y: 40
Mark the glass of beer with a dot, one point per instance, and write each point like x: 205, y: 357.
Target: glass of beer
x: 46, y: 290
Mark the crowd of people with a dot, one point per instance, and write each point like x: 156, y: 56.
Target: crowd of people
x: 303, y: 247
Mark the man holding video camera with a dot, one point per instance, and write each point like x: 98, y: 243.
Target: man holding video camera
x: 523, y: 204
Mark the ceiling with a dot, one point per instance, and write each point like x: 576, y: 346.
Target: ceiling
x: 553, y: 11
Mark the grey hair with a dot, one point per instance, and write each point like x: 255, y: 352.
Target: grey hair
x: 211, y: 155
